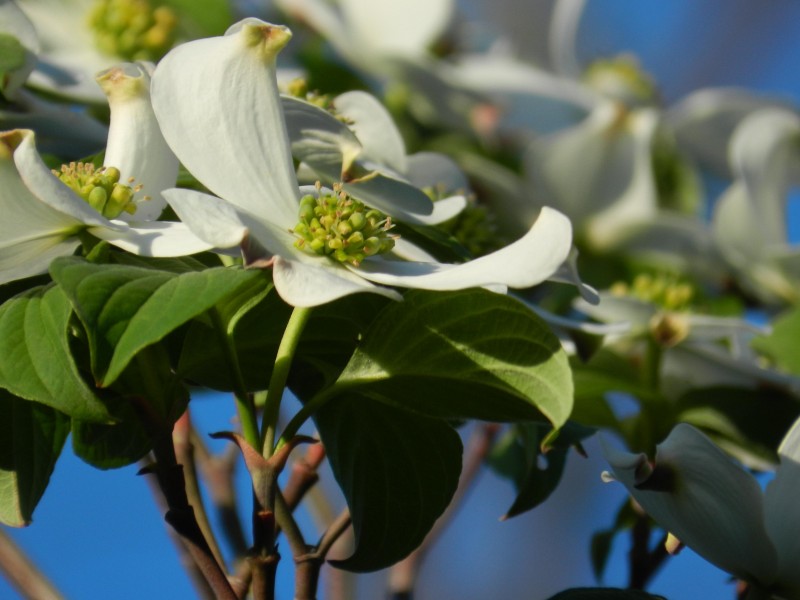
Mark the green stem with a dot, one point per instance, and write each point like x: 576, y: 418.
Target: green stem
x: 280, y: 373
x: 651, y: 371
x: 308, y: 409
x: 244, y: 401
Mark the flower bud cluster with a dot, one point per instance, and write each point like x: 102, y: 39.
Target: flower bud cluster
x: 133, y: 29
x: 344, y: 229
x: 298, y: 88
x: 100, y: 188
x: 664, y: 291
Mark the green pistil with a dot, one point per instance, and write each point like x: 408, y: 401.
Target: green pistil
x: 622, y: 78
x: 662, y: 290
x: 133, y: 29
x: 342, y: 228
x: 100, y: 188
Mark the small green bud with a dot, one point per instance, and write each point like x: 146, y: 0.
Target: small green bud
x: 97, y: 198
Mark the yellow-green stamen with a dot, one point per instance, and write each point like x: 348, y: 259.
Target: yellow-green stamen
x: 133, y: 29
x: 622, y: 78
x: 344, y: 229
x: 664, y: 291
x: 100, y: 188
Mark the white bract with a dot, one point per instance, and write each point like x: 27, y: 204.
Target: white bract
x: 749, y: 222
x: 43, y: 218
x: 218, y: 104
x: 697, y: 493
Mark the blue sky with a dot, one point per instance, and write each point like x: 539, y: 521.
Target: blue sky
x: 99, y: 534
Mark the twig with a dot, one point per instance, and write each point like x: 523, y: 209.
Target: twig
x: 218, y: 473
x: 22, y: 573
x: 304, y: 475
x: 403, y: 575
x: 184, y: 452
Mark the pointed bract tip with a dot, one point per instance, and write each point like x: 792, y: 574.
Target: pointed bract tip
x: 270, y: 38
x: 10, y: 141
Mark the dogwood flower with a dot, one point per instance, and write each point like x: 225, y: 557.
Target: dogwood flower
x: 46, y: 212
x: 697, y: 493
x: 749, y: 221
x: 79, y: 38
x: 218, y: 104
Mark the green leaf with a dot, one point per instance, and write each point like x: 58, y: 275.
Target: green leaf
x: 12, y: 57
x: 782, y: 344
x: 468, y: 354
x: 35, y: 359
x: 398, y: 472
x: 110, y: 446
x: 125, y: 309
x: 31, y: 438
x: 536, y: 472
x: 604, y: 594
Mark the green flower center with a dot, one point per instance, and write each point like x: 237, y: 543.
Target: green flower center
x: 100, y: 188
x: 133, y: 29
x: 664, y: 291
x: 337, y: 226
x: 622, y: 78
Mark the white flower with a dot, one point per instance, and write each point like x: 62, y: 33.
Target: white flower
x: 78, y: 38
x: 694, y: 491
x: 43, y: 217
x: 749, y: 222
x: 218, y: 104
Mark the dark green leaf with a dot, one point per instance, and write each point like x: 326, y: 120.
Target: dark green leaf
x: 604, y: 594
x: 125, y: 309
x: 734, y: 419
x: 31, y: 438
x: 12, y: 57
x: 468, y: 354
x: 519, y: 455
x: 35, y: 359
x: 398, y: 472
x: 110, y: 446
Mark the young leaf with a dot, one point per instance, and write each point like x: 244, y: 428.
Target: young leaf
x: 535, y: 473
x: 31, y: 438
x: 398, y: 472
x: 781, y: 344
x: 35, y: 359
x: 125, y: 309
x: 468, y: 354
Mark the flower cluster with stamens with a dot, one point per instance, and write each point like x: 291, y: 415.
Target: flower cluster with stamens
x: 133, y: 29
x: 100, y: 187
x: 342, y: 228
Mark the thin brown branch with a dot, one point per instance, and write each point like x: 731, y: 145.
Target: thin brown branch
x: 22, y: 573
x: 184, y: 452
x: 303, y: 475
x: 403, y: 575
x: 218, y: 473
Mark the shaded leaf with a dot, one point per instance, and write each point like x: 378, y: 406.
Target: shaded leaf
x: 536, y: 472
x: 31, y: 438
x: 466, y: 354
x: 398, y: 472
x: 125, y: 309
x: 35, y: 359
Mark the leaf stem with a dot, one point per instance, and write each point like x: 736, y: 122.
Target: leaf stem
x: 280, y: 373
x: 245, y: 407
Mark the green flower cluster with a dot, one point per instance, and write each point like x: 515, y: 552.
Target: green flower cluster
x: 342, y: 228
x: 100, y: 188
x: 133, y: 29
x: 662, y: 290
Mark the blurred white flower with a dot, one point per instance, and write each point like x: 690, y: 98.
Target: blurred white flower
x: 696, y: 492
